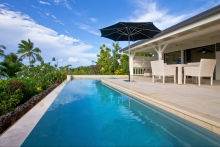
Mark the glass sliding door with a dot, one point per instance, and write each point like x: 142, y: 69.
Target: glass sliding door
x: 196, y: 54
x: 173, y: 57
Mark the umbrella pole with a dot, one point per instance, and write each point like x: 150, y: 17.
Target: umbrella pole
x: 129, y: 56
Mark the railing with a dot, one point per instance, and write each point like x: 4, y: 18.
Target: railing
x: 139, y: 70
x: 141, y: 64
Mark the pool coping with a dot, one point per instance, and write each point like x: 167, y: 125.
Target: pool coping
x: 201, y: 121
x: 18, y: 132
x: 72, y: 77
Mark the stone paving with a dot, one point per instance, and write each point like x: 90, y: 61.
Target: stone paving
x: 203, y: 101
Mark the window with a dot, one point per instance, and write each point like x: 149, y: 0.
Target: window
x: 173, y: 57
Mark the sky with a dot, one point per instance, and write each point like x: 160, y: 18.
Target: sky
x: 69, y: 29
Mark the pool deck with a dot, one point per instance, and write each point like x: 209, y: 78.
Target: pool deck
x: 200, y: 105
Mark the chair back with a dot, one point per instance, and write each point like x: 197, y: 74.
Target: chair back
x: 157, y: 67
x: 194, y: 63
x: 207, y: 67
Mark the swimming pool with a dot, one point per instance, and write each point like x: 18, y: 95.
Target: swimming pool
x: 88, y: 113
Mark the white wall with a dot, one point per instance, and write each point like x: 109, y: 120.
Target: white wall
x: 140, y: 61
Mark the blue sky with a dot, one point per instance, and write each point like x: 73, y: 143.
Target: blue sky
x: 69, y: 29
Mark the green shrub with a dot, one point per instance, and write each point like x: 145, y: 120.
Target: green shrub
x: 30, y: 80
x: 12, y: 93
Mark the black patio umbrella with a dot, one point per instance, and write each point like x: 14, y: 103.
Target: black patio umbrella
x: 130, y: 31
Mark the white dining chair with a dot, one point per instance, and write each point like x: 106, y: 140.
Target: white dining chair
x: 192, y: 64
x: 205, y: 69
x: 159, y: 69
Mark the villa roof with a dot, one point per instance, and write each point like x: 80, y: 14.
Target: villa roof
x: 186, y: 22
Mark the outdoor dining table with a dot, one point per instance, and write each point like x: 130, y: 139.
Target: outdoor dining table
x: 180, y: 71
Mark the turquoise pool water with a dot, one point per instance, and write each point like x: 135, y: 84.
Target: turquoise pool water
x: 88, y: 113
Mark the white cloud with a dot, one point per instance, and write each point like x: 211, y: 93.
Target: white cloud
x: 47, y: 13
x: 57, y: 1
x: 148, y: 11
x: 95, y: 33
x: 2, y: 5
x: 87, y: 28
x: 56, y: 20
x: 53, y: 16
x: 16, y: 26
x: 63, y: 2
x: 31, y: 5
x: 73, y: 60
x: 94, y: 19
x: 60, y: 60
x: 83, y: 26
x: 36, y: 7
x: 44, y: 3
x: 66, y: 31
x: 59, y: 21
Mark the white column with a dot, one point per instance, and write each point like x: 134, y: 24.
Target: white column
x: 159, y: 53
x: 131, y: 60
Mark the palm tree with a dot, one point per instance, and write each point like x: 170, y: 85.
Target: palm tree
x: 10, y: 65
x: 1, y: 50
x: 27, y: 49
x: 12, y: 58
x: 7, y: 70
x: 56, y: 60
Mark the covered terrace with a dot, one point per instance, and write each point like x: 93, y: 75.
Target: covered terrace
x: 188, y: 41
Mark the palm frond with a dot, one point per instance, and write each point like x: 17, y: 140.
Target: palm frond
x: 39, y: 58
x: 21, y: 50
x: 33, y: 58
x: 23, y: 56
x: 2, y: 53
x: 37, y: 50
x: 4, y: 64
x: 3, y: 47
x: 25, y: 43
x: 21, y: 46
x: 30, y: 44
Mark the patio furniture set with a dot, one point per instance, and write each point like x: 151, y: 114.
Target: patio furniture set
x: 204, y: 68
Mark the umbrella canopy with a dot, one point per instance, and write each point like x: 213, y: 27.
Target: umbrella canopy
x: 130, y: 31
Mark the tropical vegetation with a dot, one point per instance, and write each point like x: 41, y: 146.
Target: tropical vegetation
x: 19, y: 82
x: 2, y: 48
x: 112, y: 64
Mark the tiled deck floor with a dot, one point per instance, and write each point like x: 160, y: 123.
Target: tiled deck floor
x: 203, y: 101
